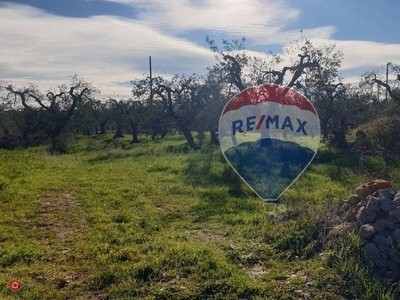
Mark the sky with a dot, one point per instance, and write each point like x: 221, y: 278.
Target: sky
x: 108, y: 42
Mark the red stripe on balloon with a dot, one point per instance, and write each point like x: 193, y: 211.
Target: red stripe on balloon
x: 260, y: 122
x: 269, y: 93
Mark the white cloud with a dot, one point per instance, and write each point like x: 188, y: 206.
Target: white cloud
x: 363, y: 56
x: 45, y: 49
x: 368, y: 54
x: 38, y: 47
x: 262, y: 21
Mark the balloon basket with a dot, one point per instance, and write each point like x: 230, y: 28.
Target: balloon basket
x: 272, y: 208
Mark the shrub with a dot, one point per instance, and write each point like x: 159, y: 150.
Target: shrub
x: 381, y: 136
x: 61, y: 144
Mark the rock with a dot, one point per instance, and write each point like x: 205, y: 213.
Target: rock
x: 394, y: 214
x: 386, y: 233
x: 233, y: 247
x: 369, y: 188
x: 382, y: 243
x: 396, y: 235
x: 340, y: 213
x: 397, y: 196
x: 392, y: 276
x: 345, y: 207
x: 374, y: 213
x: 351, y: 215
x: 380, y: 215
x: 387, y: 193
x: 373, y: 203
x: 354, y: 200
x: 382, y: 262
x: 395, y: 256
x: 342, y: 228
x: 362, y: 203
x: 372, y: 251
x: 366, y: 215
x: 383, y: 224
x: 367, y: 231
x: 387, y: 204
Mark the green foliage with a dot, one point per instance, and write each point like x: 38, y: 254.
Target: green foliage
x: 381, y: 136
x: 62, y: 143
x: 42, y: 116
x: 299, y: 234
x: 348, y: 259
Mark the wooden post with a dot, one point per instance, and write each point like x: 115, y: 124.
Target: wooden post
x: 151, y: 82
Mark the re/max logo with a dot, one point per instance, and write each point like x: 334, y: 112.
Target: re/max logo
x: 270, y: 122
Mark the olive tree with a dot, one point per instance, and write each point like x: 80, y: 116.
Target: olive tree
x: 50, y: 111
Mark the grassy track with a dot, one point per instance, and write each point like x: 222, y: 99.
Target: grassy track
x: 155, y: 220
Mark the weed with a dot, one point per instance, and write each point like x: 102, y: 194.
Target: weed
x: 103, y: 280
x: 24, y: 254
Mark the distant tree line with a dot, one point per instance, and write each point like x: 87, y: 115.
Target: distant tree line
x: 192, y: 104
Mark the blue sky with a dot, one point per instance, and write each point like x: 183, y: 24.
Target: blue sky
x: 108, y: 41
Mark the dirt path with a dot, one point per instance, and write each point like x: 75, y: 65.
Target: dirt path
x: 59, y: 225
x: 57, y: 216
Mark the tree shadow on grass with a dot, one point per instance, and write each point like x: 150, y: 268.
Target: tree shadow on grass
x: 112, y: 156
x: 219, y: 203
x: 221, y: 190
x: 208, y: 168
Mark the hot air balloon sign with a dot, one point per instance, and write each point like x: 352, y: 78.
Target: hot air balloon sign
x: 269, y: 135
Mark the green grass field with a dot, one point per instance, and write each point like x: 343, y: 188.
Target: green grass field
x: 155, y: 220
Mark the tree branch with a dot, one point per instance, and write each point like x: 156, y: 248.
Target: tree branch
x: 387, y: 87
x: 235, y: 72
